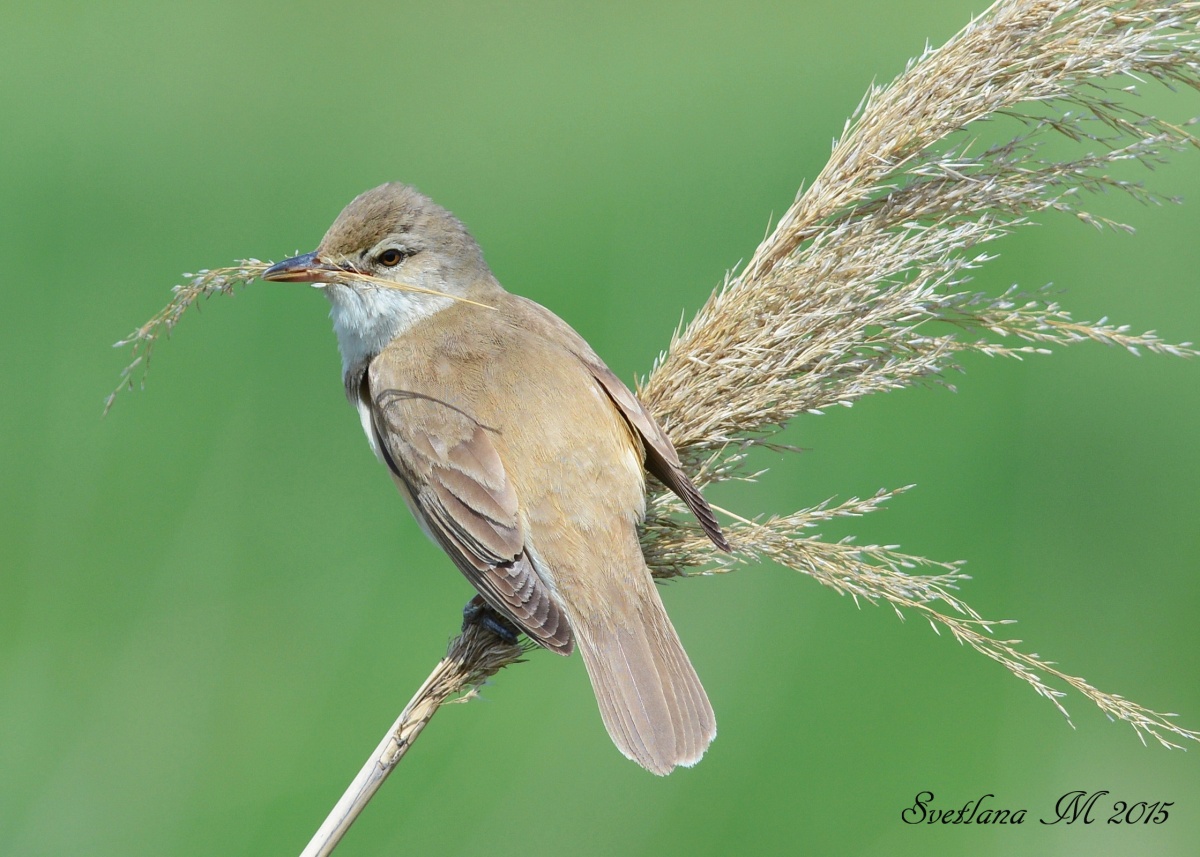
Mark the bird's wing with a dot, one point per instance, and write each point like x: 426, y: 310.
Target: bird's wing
x: 457, y: 484
x: 661, y: 458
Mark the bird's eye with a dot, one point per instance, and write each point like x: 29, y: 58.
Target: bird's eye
x: 391, y: 257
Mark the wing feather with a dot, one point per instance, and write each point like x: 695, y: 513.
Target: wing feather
x: 457, y: 484
x: 661, y: 458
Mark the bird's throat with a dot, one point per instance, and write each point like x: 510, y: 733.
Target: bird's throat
x: 367, y: 318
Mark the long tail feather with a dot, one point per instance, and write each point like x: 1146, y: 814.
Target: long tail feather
x: 650, y: 698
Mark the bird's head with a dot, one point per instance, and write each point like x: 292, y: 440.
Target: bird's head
x: 390, y: 259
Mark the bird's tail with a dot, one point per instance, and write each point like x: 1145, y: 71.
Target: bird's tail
x: 651, y: 700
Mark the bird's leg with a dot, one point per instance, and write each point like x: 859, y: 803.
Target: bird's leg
x: 479, y: 612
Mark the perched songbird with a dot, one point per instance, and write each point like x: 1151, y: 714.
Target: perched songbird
x: 519, y: 453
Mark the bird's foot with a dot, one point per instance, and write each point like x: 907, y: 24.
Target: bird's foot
x: 479, y: 612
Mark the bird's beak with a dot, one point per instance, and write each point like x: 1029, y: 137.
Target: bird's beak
x: 308, y: 268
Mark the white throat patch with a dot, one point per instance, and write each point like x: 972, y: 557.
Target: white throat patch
x: 367, y: 318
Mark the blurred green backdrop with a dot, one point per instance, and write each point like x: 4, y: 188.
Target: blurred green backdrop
x: 213, y: 602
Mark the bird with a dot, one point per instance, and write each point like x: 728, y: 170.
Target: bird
x: 518, y: 452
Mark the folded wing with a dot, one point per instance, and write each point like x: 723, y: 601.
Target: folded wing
x: 457, y: 484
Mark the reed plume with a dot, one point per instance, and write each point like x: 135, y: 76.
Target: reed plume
x: 863, y: 285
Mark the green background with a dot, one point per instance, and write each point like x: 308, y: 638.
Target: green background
x: 212, y: 602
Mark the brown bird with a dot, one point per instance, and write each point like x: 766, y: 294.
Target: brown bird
x: 518, y: 452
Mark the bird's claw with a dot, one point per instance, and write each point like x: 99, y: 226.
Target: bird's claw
x: 479, y: 612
